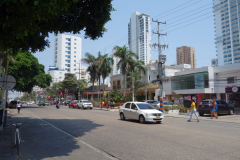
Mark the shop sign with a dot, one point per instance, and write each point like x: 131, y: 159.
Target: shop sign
x: 69, y: 96
x: 194, y: 98
x: 173, y: 98
x: 176, y: 97
x: 85, y: 92
x: 48, y: 97
x: 176, y: 101
x: 185, y: 97
x: 189, y: 97
x: 167, y: 98
x: 232, y: 90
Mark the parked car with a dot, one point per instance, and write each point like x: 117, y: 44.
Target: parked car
x: 204, y: 107
x: 46, y: 103
x: 66, y: 102
x: 13, y: 104
x: 23, y: 102
x: 140, y: 111
x: 84, y: 104
x: 73, y: 105
x: 41, y: 103
x: 30, y: 102
x: 156, y: 105
x: 149, y: 101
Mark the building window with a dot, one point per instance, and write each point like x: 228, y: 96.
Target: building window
x: 75, y: 43
x: 55, y: 48
x: 74, y: 60
x: 74, y: 47
x: 74, y: 56
x: 60, y: 72
x: 56, y: 39
x: 56, y: 52
x: 74, y: 51
x: 55, y: 61
x: 75, y: 39
x: 230, y: 80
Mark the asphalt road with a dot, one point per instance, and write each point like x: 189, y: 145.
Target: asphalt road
x: 50, y: 133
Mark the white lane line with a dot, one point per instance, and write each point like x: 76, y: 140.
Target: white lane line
x: 80, y: 140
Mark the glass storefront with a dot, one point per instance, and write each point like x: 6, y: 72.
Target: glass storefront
x: 190, y: 81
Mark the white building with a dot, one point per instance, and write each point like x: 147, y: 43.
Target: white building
x: 115, y: 70
x: 227, y: 31
x: 67, y: 53
x: 139, y: 36
x: 220, y: 82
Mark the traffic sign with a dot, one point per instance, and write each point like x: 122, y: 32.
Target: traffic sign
x: 8, y: 80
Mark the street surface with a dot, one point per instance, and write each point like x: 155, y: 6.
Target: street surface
x: 50, y: 133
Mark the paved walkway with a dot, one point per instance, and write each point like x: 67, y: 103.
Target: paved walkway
x: 7, y: 152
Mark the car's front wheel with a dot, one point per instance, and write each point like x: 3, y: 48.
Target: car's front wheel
x: 201, y: 114
x: 231, y: 111
x: 78, y: 107
x: 142, y: 119
x: 122, y: 117
x: 158, y: 122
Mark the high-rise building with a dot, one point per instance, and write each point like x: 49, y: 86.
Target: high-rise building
x: 139, y: 36
x: 227, y: 26
x: 186, y: 55
x: 115, y: 70
x: 67, y: 54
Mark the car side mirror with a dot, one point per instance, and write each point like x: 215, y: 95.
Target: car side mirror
x: 135, y: 109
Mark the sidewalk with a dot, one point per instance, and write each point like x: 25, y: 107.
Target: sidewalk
x: 7, y: 152
x: 105, y: 109
x: 221, y: 118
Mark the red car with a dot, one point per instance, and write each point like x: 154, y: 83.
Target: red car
x: 73, y: 105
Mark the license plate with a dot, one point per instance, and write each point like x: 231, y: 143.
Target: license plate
x: 202, y: 106
x: 89, y: 106
x: 158, y: 117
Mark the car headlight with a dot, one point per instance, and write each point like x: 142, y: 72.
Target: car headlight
x: 148, y: 114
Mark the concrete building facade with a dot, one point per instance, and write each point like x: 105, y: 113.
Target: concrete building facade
x: 67, y: 52
x: 186, y: 55
x: 139, y: 35
x: 226, y: 13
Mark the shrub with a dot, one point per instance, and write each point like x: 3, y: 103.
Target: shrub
x: 117, y: 104
x: 166, y: 108
x: 182, y: 108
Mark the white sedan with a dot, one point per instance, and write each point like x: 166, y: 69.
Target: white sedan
x: 140, y: 111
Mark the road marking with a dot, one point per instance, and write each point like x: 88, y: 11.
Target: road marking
x: 106, y: 154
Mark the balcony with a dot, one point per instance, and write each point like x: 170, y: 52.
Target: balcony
x: 117, y: 87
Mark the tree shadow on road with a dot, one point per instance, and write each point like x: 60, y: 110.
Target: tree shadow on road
x: 53, y: 138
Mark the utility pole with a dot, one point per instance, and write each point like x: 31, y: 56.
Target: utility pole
x: 161, y: 60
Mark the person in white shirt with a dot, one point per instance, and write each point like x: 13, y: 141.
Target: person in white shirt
x: 18, y: 106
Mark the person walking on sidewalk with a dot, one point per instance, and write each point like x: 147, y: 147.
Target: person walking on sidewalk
x: 193, y: 107
x: 214, y: 110
x: 18, y: 106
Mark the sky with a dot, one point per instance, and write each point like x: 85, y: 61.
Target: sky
x: 188, y: 23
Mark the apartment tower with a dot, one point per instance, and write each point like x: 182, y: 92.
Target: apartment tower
x: 139, y: 36
x: 67, y: 54
x: 186, y: 55
x: 226, y: 13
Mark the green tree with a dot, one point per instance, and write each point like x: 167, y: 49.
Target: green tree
x: 70, y: 82
x: 134, y: 81
x: 107, y: 63
x: 91, y: 60
x: 125, y: 61
x: 99, y: 63
x: 28, y: 72
x: 25, y: 24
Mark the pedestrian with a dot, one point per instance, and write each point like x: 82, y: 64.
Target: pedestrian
x: 101, y: 104
x: 216, y: 109
x: 213, y: 105
x: 57, y: 104
x: 18, y: 106
x: 112, y: 105
x: 109, y: 103
x: 193, y: 107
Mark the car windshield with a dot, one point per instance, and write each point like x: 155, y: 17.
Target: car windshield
x: 13, y: 102
x: 205, y: 103
x: 144, y: 106
x: 156, y: 102
x: 86, y: 102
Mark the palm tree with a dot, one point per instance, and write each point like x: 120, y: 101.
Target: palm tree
x: 136, y: 68
x: 99, y: 68
x: 92, y: 69
x: 107, y: 63
x: 126, y: 57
